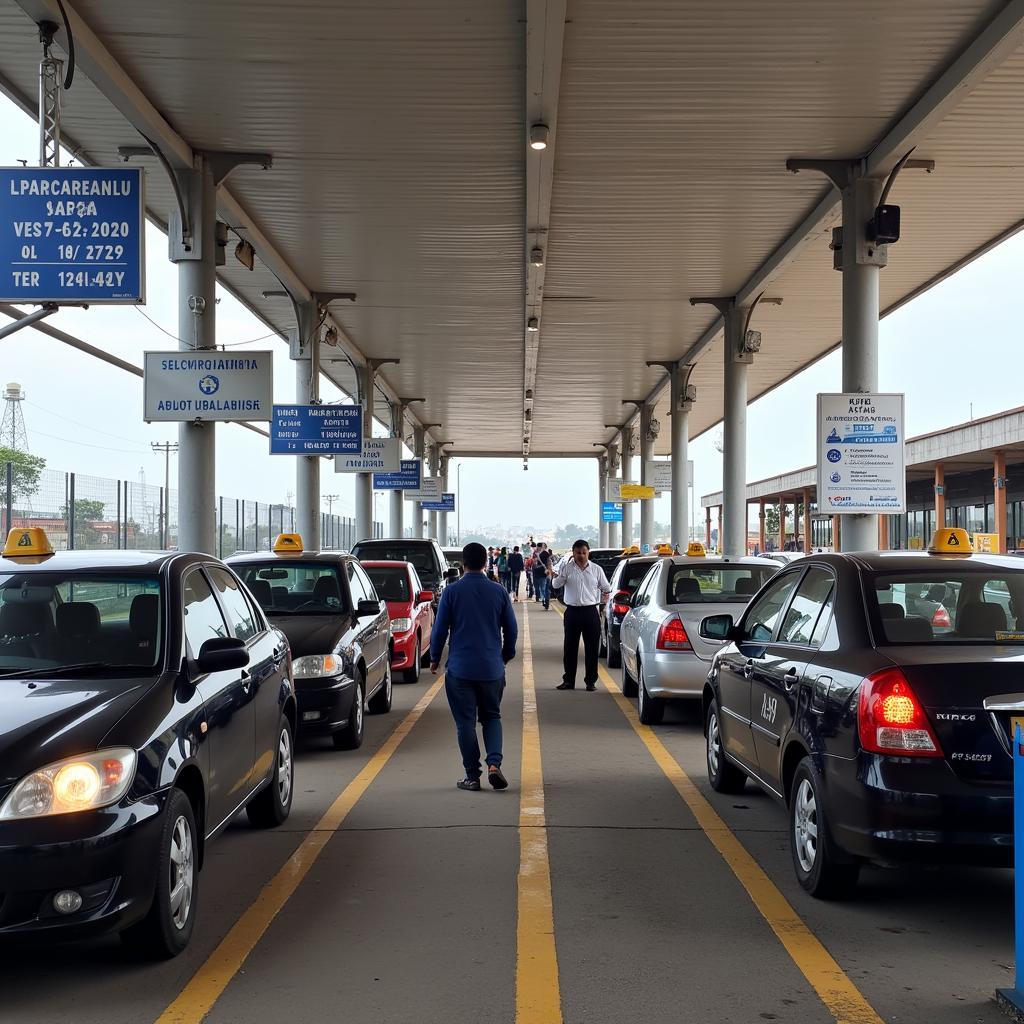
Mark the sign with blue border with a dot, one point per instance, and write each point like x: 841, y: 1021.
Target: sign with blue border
x: 72, y: 234
x: 611, y: 512
x: 316, y: 430
x: 446, y: 504
x: 406, y: 479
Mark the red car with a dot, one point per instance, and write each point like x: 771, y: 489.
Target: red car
x: 411, y: 612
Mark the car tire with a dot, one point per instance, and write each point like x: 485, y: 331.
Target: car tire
x: 651, y: 710
x: 271, y: 806
x: 820, y: 868
x: 380, y: 702
x: 350, y: 736
x: 166, y: 929
x: 628, y: 682
x: 614, y: 654
x: 412, y: 675
x: 723, y: 775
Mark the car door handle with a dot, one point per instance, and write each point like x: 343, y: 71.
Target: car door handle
x: 748, y: 669
x: 790, y: 679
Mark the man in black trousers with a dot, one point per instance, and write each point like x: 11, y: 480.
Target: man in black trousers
x: 586, y: 586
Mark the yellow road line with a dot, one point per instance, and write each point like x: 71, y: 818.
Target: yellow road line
x: 208, y: 983
x: 538, y: 999
x: 841, y: 997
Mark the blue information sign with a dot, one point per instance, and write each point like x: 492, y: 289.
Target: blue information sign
x: 316, y: 430
x: 611, y: 512
x: 72, y: 234
x: 407, y: 479
x: 446, y: 504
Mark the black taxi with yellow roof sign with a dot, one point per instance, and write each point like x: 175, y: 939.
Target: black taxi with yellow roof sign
x: 876, y: 696
x: 144, y: 700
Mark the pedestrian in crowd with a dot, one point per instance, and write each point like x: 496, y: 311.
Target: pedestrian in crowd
x: 528, y: 564
x: 585, y: 587
x: 492, y: 555
x: 541, y: 578
x: 504, y: 576
x: 476, y: 619
x: 516, y: 565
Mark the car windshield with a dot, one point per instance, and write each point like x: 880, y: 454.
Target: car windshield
x: 90, y: 622
x: 390, y: 584
x: 302, y: 588
x: 421, y: 555
x: 712, y: 584
x: 969, y: 605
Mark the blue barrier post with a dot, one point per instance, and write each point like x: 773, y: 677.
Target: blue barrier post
x: 1012, y: 999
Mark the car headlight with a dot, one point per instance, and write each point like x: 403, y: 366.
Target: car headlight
x: 75, y: 784
x: 401, y: 625
x: 317, y: 666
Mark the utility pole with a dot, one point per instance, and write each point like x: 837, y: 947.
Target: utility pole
x: 167, y: 447
x: 330, y: 499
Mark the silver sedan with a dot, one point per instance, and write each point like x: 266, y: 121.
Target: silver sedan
x: 663, y: 655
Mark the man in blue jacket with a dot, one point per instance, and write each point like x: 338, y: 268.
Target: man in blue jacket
x: 476, y: 619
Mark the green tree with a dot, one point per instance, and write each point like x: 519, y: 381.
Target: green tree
x: 26, y: 472
x: 86, y: 510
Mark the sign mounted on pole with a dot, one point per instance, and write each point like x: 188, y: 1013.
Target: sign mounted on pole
x: 861, y: 457
x: 379, y: 455
x: 316, y: 430
x: 611, y: 512
x: 406, y: 479
x: 659, y: 475
x: 446, y: 504
x: 429, y: 490
x: 636, y: 492
x: 206, y: 384
x: 72, y: 234
x: 614, y: 490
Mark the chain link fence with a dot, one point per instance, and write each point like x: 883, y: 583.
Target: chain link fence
x: 94, y: 513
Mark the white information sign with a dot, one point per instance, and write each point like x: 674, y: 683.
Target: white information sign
x: 659, y: 474
x: 614, y: 486
x: 379, y: 455
x: 861, y: 454
x: 430, y: 490
x: 207, y: 385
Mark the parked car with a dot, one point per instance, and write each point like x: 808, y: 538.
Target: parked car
x: 338, y: 629
x: 663, y: 657
x: 783, y: 557
x: 887, y: 738
x: 145, y: 701
x: 425, y: 554
x: 410, y: 609
x: 627, y: 575
x: 453, y: 556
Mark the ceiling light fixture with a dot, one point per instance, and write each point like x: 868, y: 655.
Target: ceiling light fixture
x: 533, y: 324
x: 538, y: 136
x: 537, y: 256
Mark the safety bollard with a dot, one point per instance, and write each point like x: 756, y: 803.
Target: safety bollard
x: 1012, y: 999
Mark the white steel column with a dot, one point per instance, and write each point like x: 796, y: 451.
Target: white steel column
x: 602, y: 477
x: 627, y: 474
x: 397, y: 499
x: 734, y: 455
x: 646, y: 454
x: 435, y: 458
x: 611, y: 471
x: 197, y: 329
x: 364, y: 481
x: 419, y: 440
x: 307, y: 392
x: 442, y: 517
x: 681, y: 406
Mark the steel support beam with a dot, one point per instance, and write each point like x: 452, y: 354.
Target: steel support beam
x: 397, y: 498
x: 364, y: 481
x: 626, y: 473
x: 680, y: 412
x: 646, y: 455
x: 733, y: 540
x: 442, y: 517
x: 602, y: 479
x: 435, y: 460
x: 419, y: 450
x: 307, y: 392
x: 612, y: 471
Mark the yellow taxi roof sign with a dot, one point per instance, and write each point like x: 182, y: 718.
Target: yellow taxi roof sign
x: 665, y: 549
x: 288, y: 543
x: 695, y: 549
x: 951, y: 540
x: 634, y: 550
x: 27, y: 542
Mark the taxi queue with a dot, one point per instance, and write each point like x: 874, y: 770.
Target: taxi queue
x: 149, y: 697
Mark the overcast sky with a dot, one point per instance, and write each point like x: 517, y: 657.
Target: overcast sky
x: 956, y: 346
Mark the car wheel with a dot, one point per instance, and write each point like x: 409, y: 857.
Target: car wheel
x: 412, y: 675
x: 650, y: 709
x: 723, y: 775
x: 380, y: 702
x: 819, y: 867
x: 614, y: 654
x: 272, y: 804
x: 628, y: 682
x: 350, y: 737
x: 167, y: 927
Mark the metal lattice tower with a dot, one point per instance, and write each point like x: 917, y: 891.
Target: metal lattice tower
x: 12, y: 428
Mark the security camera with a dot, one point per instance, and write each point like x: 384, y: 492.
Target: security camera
x: 526, y: 465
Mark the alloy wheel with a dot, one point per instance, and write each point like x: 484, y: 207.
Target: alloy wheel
x: 805, y: 826
x: 182, y: 872
x: 284, y: 767
x: 714, y: 744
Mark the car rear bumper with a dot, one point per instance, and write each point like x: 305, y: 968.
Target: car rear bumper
x: 324, y: 704
x: 404, y: 653
x: 110, y: 857
x: 892, y: 810
x: 672, y: 674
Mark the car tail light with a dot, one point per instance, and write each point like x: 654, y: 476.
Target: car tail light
x: 672, y: 636
x: 620, y: 602
x: 940, y: 618
x: 890, y: 718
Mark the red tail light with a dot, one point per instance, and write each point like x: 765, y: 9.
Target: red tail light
x: 672, y: 636
x: 940, y: 618
x: 891, y: 720
x: 620, y: 602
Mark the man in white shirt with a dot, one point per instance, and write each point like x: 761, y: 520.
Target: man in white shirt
x: 586, y: 586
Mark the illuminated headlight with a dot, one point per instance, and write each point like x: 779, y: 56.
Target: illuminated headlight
x: 74, y: 784
x: 317, y: 666
x: 401, y: 625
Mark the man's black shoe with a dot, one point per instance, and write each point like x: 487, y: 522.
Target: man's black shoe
x: 591, y: 686
x: 566, y: 686
x: 473, y: 785
x: 496, y: 779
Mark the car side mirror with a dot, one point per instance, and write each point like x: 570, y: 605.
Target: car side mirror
x: 716, y: 627
x: 222, y: 653
x: 425, y: 597
x: 366, y: 608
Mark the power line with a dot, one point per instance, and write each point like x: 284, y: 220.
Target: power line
x: 223, y: 344
x: 85, y: 426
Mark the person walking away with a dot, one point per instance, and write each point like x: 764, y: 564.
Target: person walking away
x: 516, y: 565
x: 491, y: 558
x: 542, y: 578
x: 503, y: 573
x: 476, y: 620
x: 585, y: 587
x: 528, y: 565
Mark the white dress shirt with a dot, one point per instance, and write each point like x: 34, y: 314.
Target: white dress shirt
x: 582, y: 586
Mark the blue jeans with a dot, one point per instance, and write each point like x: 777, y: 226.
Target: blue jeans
x: 473, y: 700
x: 542, y: 588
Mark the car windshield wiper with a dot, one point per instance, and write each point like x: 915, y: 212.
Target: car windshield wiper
x: 59, y: 670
